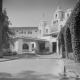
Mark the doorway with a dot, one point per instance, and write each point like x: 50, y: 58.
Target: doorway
x: 54, y: 47
x: 41, y: 46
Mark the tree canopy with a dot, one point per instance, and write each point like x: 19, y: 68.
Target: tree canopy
x: 71, y: 33
x: 6, y: 32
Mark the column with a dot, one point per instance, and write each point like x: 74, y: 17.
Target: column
x: 30, y: 47
x: 12, y: 47
x: 50, y: 47
x: 57, y: 48
x: 20, y: 44
x: 47, y: 45
x: 37, y: 46
x: 50, y: 44
x: 16, y: 46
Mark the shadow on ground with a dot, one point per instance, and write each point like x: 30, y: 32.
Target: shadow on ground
x: 28, y: 75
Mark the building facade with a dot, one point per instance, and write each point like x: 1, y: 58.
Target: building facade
x: 28, y: 39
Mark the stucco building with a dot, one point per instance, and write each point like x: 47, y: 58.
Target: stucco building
x: 40, y: 37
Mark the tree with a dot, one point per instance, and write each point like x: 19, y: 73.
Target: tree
x: 75, y: 30
x: 72, y: 33
x: 6, y: 32
x: 0, y: 28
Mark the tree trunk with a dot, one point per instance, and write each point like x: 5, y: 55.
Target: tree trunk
x: 1, y: 50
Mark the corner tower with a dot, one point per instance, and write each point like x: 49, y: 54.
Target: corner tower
x: 57, y: 18
x: 68, y: 13
x: 42, y: 26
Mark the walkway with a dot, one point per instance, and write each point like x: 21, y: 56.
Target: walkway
x: 38, y: 68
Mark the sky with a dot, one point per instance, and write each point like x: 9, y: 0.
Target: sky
x: 29, y: 13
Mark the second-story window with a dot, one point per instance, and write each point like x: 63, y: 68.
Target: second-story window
x: 32, y: 45
x: 36, y: 31
x: 29, y: 32
x: 46, y: 30
x: 55, y: 22
x: 21, y: 32
x: 24, y: 32
x: 17, y: 31
x: 56, y: 16
x: 67, y: 15
x: 40, y: 31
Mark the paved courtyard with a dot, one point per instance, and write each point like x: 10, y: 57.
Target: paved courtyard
x: 38, y: 68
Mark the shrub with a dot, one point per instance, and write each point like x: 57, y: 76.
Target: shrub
x: 46, y: 49
x: 7, y: 53
x: 14, y: 53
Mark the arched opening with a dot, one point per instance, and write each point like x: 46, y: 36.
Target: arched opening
x: 41, y: 46
x: 68, y: 42
x: 25, y: 46
x: 61, y: 44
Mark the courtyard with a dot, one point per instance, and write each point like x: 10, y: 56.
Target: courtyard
x: 51, y: 45
x: 45, y: 67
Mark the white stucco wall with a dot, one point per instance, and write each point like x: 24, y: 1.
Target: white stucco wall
x: 16, y: 46
x: 33, y: 35
x: 20, y: 42
x: 56, y: 27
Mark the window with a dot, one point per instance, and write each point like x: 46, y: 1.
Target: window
x: 32, y: 45
x: 46, y: 30
x: 36, y: 31
x: 29, y: 32
x: 55, y: 22
x: 40, y: 31
x: 62, y: 15
x: 17, y: 31
x: 24, y: 32
x: 67, y: 15
x: 56, y: 16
